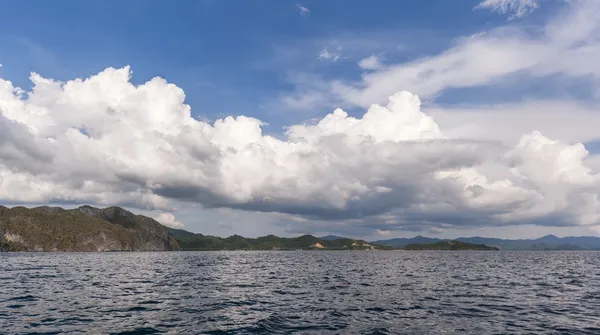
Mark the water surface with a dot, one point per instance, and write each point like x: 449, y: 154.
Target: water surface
x: 304, y: 292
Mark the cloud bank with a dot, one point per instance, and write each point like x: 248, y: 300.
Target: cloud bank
x: 105, y: 141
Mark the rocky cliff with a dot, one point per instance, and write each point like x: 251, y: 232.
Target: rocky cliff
x: 82, y: 229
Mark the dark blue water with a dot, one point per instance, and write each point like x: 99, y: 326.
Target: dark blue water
x: 312, y: 292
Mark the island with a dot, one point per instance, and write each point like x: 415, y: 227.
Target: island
x: 449, y: 245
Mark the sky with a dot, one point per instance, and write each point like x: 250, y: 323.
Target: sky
x: 373, y: 120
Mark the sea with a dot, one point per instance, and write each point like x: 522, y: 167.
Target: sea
x: 300, y: 292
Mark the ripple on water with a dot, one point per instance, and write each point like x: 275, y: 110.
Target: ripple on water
x: 22, y: 298
x: 300, y: 292
x: 139, y: 331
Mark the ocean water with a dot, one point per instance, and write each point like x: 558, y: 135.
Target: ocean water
x: 303, y: 292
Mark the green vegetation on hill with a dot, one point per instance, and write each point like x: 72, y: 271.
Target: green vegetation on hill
x: 190, y: 241
x: 115, y: 229
x: 448, y: 245
x: 82, y: 229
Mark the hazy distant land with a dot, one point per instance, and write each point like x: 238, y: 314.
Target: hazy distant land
x: 449, y: 245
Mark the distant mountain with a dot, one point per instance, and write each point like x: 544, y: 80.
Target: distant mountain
x: 82, y: 229
x: 449, y: 245
x: 331, y: 238
x: 548, y: 242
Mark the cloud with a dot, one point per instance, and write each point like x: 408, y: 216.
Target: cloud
x: 330, y: 55
x: 369, y: 63
x: 104, y: 140
x: 436, y: 230
x: 516, y: 8
x: 569, y: 121
x: 303, y: 10
x: 565, y: 45
x: 383, y: 232
x: 168, y: 219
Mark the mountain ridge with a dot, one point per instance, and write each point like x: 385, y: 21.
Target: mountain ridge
x: 331, y: 237
x: 88, y: 228
x: 191, y: 241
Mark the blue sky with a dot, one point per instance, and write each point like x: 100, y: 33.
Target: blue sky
x: 232, y: 55
x: 237, y: 57
x: 228, y: 56
x: 489, y: 71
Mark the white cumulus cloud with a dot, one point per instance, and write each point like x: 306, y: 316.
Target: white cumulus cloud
x: 107, y: 141
x: 168, y: 219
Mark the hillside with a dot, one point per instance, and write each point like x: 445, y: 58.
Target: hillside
x: 190, y: 241
x: 82, y: 229
x: 398, y: 243
x: 448, y: 245
x: 330, y: 237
